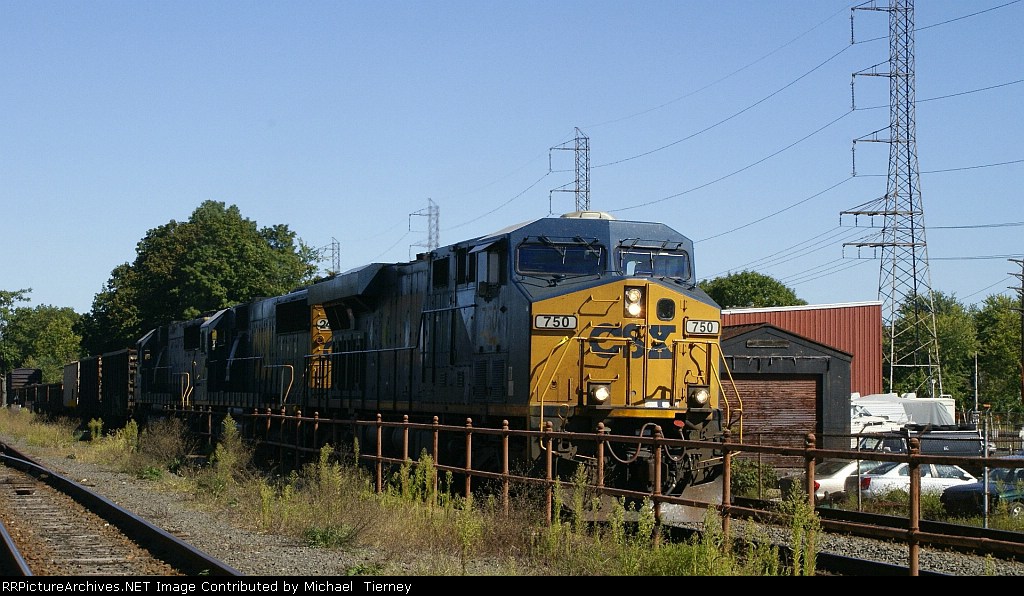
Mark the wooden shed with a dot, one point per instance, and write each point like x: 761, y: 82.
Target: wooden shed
x: 789, y: 386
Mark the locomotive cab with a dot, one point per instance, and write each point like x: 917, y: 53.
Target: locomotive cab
x: 622, y: 340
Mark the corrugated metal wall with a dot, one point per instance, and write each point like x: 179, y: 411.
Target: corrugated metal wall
x: 854, y: 328
x: 778, y: 410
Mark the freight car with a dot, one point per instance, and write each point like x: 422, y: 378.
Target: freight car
x: 580, y: 322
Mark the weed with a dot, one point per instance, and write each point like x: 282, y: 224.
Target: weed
x: 805, y: 527
x: 752, y: 479
x: 150, y: 473
x: 365, y: 569
x: 329, y: 536
x: 95, y: 429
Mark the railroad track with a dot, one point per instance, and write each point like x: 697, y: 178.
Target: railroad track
x: 873, y: 544
x: 55, y: 527
x: 1003, y: 544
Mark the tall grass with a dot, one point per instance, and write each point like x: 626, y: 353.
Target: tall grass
x: 27, y: 426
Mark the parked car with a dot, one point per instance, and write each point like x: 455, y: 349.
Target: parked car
x: 830, y: 478
x: 892, y: 476
x: 1005, y: 489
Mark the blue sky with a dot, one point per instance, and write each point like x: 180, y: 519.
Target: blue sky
x: 730, y: 121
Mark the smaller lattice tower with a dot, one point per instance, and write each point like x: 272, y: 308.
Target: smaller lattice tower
x: 433, y: 215
x: 335, y: 256
x: 581, y: 146
x: 335, y: 251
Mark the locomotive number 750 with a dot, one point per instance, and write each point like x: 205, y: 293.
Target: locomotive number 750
x: 555, y: 321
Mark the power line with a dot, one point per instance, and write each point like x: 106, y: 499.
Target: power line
x: 946, y: 22
x: 746, y: 167
x: 734, y: 115
x: 720, y: 79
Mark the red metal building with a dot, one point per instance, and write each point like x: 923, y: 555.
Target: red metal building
x: 854, y: 328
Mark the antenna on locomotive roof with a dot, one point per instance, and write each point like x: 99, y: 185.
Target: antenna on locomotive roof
x: 581, y: 145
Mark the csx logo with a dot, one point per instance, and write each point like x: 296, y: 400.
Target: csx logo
x: 633, y: 332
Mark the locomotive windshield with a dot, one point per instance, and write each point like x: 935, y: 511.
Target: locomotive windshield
x: 544, y: 255
x: 655, y: 263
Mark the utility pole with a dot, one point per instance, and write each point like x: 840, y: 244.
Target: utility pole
x: 581, y: 147
x: 904, y: 280
x: 1020, y: 309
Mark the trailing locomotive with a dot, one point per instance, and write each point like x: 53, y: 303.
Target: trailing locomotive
x: 577, y: 321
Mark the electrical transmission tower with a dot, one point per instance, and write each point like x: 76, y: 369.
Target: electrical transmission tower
x: 1020, y: 309
x: 433, y: 215
x: 581, y: 145
x: 912, y: 354
x: 335, y: 256
x: 335, y: 249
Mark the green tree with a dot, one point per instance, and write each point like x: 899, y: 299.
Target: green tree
x: 749, y: 289
x: 958, y: 342
x: 9, y: 358
x: 184, y: 269
x: 43, y: 337
x: 113, y: 322
x: 999, y: 338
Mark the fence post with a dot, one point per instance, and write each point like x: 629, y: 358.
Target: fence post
x: 266, y: 432
x: 436, y: 455
x: 546, y: 440
x: 504, y: 467
x: 405, y: 437
x: 316, y: 431
x: 657, y: 482
x: 601, y: 434
x: 469, y: 458
x: 380, y: 454
x: 726, y: 483
x: 283, y: 429
x: 808, y: 469
x: 298, y: 438
x: 913, y: 541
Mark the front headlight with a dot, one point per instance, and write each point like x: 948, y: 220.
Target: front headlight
x: 599, y: 393
x: 698, y: 396
x: 634, y: 302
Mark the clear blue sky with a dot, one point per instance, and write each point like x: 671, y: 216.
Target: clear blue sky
x: 729, y: 121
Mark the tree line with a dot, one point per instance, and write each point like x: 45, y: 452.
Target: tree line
x: 218, y: 258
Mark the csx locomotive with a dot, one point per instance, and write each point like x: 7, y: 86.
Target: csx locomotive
x: 576, y: 321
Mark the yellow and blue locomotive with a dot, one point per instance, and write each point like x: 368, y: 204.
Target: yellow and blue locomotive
x: 577, y: 321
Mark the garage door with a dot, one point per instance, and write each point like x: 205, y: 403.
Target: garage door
x: 778, y: 410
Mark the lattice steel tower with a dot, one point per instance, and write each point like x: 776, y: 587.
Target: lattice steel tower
x: 433, y: 215
x: 581, y: 146
x: 912, y: 351
x: 335, y: 256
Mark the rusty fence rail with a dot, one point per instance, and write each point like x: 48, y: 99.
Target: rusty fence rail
x: 299, y: 438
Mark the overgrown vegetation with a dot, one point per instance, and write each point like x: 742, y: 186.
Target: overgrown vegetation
x: 753, y: 479
x: 420, y: 523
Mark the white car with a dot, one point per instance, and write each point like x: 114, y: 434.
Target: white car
x: 893, y: 476
x: 830, y: 478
